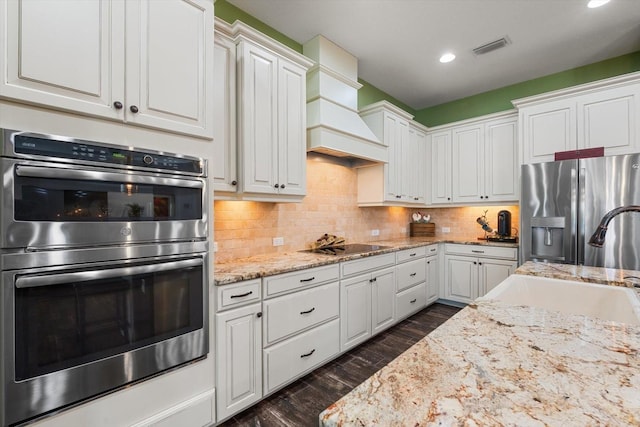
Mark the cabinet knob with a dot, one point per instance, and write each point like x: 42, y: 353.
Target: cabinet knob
x: 448, y: 198
x: 259, y: 314
x: 234, y: 182
x: 482, y: 197
x: 415, y: 198
x: 479, y: 263
x: 475, y: 263
x: 282, y: 186
x: 277, y: 186
x: 486, y: 197
x: 117, y: 105
x: 398, y: 196
x: 133, y: 109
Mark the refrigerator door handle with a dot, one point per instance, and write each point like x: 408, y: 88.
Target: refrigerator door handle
x: 579, y: 215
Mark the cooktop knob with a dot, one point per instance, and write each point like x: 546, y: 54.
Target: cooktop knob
x: 147, y: 159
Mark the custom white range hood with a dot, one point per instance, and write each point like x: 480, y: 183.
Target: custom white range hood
x: 333, y: 124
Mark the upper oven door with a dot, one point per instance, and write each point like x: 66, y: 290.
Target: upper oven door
x: 49, y: 205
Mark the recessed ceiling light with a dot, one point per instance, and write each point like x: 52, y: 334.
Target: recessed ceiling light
x: 597, y: 3
x: 447, y: 57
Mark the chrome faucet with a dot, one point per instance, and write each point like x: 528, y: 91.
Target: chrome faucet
x: 597, y: 239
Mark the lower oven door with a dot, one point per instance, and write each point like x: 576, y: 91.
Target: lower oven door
x: 76, y: 332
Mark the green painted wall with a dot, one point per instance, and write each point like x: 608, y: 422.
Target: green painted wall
x: 500, y: 99
x: 368, y: 94
x: 229, y: 13
x: 473, y: 106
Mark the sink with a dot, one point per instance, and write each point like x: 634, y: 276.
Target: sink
x: 604, y: 302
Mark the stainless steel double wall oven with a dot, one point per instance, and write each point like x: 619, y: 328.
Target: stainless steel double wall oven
x: 104, y: 267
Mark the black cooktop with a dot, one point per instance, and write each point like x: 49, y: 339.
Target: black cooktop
x: 350, y: 249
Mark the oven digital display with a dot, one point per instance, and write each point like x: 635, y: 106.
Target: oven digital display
x: 52, y: 148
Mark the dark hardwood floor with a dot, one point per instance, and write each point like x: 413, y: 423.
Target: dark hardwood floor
x: 300, y: 403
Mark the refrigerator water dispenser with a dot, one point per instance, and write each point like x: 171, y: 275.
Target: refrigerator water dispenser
x: 547, y: 238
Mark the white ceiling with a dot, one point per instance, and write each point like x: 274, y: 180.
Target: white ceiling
x: 398, y: 42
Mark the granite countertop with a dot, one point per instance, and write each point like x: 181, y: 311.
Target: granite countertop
x: 492, y: 364
x: 271, y: 264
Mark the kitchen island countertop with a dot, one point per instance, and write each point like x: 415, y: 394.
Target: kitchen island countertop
x: 492, y: 364
x: 270, y: 264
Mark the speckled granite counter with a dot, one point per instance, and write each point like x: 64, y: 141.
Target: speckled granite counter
x: 494, y: 365
x: 268, y: 265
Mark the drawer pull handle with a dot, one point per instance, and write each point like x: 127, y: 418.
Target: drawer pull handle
x: 412, y: 274
x: 433, y: 250
x: 477, y: 252
x: 307, y: 280
x: 308, y: 354
x: 413, y: 254
x: 308, y: 311
x: 413, y: 300
x: 241, y: 295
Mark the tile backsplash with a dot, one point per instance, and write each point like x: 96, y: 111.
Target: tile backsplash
x: 242, y: 228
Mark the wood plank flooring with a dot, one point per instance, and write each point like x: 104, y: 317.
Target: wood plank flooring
x: 300, y: 403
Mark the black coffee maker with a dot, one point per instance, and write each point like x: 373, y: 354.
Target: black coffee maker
x: 504, y: 224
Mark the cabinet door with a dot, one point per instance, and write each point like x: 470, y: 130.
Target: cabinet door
x: 223, y: 158
x: 467, y: 164
x: 416, y: 169
x: 169, y: 82
x: 491, y: 272
x: 239, y: 361
x: 440, y: 146
x: 433, y: 279
x: 292, y: 129
x: 355, y: 311
x: 383, y: 297
x: 395, y: 133
x: 609, y: 119
x: 501, y: 160
x: 64, y: 54
x: 257, y: 106
x: 548, y: 128
x: 462, y: 278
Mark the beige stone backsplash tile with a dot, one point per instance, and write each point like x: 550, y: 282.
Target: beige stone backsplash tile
x: 244, y: 228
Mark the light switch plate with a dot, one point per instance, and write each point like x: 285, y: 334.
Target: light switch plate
x: 278, y: 241
x: 446, y: 230
x: 375, y: 232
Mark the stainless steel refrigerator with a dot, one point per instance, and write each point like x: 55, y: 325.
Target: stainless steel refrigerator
x: 563, y: 203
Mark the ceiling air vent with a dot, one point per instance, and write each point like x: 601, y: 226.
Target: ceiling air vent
x: 491, y: 46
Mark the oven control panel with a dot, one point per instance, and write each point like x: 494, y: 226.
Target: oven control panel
x: 52, y: 148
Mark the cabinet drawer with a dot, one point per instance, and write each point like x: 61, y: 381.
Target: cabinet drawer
x: 287, y: 282
x: 411, y: 300
x: 238, y: 294
x: 358, y: 266
x: 409, y: 254
x: 288, y: 314
x: 483, y: 251
x: 411, y: 273
x: 291, y: 358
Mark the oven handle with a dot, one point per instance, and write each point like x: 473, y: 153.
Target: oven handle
x: 91, y: 175
x: 85, y: 276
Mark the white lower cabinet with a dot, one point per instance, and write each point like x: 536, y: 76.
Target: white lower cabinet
x: 433, y: 277
x: 472, y: 270
x: 238, y: 355
x: 367, y: 301
x: 292, y: 358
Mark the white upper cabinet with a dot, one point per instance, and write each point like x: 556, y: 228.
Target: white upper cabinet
x: 400, y: 181
x: 475, y: 161
x: 114, y: 60
x: 599, y: 114
x: 223, y: 164
x: 271, y: 118
x: 223, y: 167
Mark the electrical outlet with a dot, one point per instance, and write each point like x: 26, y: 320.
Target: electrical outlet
x: 278, y: 241
x: 375, y: 232
x: 403, y: 230
x: 215, y: 246
x: 446, y: 230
